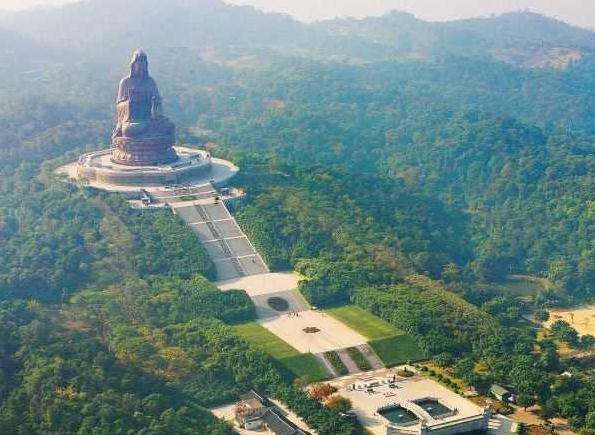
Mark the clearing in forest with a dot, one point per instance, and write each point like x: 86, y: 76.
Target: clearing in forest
x: 523, y: 285
x: 582, y: 318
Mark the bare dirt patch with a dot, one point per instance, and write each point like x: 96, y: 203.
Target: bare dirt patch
x: 276, y: 104
x: 582, y: 318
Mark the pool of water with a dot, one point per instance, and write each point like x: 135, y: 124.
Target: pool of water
x: 398, y: 415
x: 433, y: 407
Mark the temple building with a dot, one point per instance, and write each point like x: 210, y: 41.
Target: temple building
x: 255, y: 412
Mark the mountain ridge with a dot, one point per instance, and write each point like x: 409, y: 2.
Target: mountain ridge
x: 521, y: 38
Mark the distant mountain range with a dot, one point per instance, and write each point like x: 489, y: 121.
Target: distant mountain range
x: 107, y: 28
x: 517, y: 38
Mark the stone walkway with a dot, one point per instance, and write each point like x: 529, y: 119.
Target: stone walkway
x: 296, y: 303
x: 326, y: 363
x: 331, y: 334
x: 371, y: 356
x: 351, y: 366
x: 227, y: 245
x: 240, y: 267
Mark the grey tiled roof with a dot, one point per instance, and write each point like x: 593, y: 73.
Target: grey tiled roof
x: 280, y: 426
x: 275, y: 418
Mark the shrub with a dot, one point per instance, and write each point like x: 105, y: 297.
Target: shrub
x: 542, y: 315
x: 278, y: 304
x: 339, y: 404
x: 335, y: 360
x: 359, y: 359
x: 322, y: 391
x: 405, y: 373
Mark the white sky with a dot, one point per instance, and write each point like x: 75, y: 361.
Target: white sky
x: 14, y: 5
x: 579, y: 12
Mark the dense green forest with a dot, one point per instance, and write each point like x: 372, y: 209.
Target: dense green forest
x: 352, y: 248
x: 404, y: 166
x: 110, y: 325
x: 500, y: 172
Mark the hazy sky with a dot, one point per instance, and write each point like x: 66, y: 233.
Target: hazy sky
x: 580, y: 12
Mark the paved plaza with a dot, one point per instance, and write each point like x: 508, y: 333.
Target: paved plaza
x: 332, y: 334
x: 366, y: 403
x: 262, y: 284
x: 219, y: 172
x: 295, y: 301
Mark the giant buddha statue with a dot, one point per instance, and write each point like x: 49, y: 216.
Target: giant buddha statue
x: 143, y: 136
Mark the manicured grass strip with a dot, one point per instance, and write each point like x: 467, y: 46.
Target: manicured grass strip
x: 306, y: 365
x: 364, y: 322
x: 265, y: 340
x: 397, y: 350
x: 299, y: 364
x: 359, y: 359
x: 335, y: 360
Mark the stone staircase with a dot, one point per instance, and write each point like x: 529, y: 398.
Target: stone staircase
x: 238, y: 266
x: 351, y: 366
x: 371, y: 356
x: 212, y: 222
x: 329, y: 367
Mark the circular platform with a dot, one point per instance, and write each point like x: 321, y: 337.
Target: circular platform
x: 193, y: 167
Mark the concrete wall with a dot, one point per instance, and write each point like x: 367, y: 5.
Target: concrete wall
x: 142, y: 178
x: 468, y: 425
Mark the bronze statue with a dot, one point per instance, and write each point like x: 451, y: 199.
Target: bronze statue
x: 143, y: 136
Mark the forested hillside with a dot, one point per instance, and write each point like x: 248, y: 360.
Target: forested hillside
x: 503, y: 174
x: 404, y: 166
x: 352, y: 245
x: 110, y: 326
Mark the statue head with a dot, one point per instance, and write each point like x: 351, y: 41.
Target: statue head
x: 139, y: 66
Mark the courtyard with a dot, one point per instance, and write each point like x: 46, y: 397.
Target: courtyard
x: 262, y: 284
x: 436, y: 404
x: 313, y: 332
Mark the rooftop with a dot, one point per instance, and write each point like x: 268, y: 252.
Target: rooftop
x: 280, y: 420
x: 499, y: 390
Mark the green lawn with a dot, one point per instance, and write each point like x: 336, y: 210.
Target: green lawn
x: 300, y: 364
x: 397, y: 350
x: 265, y: 340
x: 520, y: 285
x: 364, y: 322
x: 305, y: 365
x: 392, y: 345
